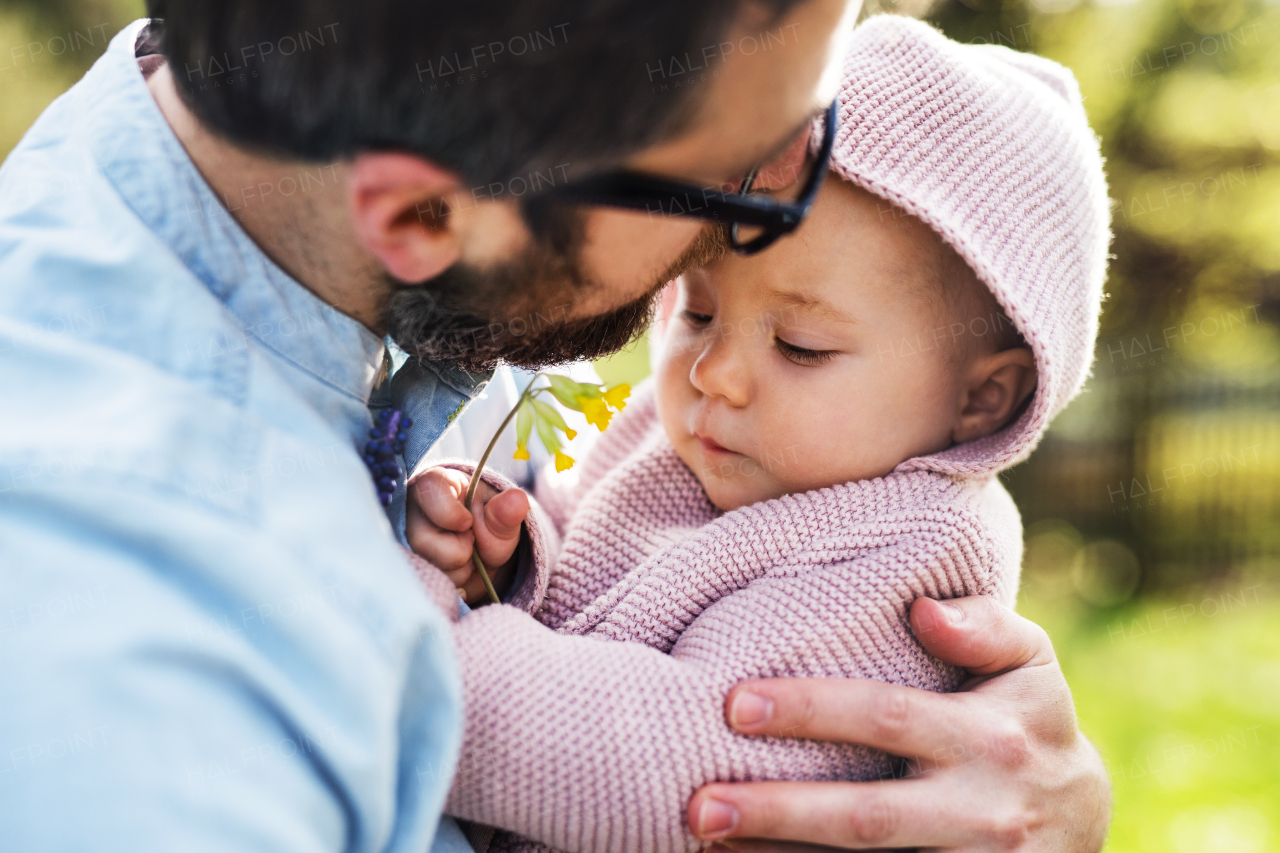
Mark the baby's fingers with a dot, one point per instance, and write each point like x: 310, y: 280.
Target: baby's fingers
x: 440, y: 492
x: 499, y: 526
x: 450, y: 552
x: 445, y: 549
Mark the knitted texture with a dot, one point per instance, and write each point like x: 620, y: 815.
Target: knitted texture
x: 597, y: 746
x: 990, y: 148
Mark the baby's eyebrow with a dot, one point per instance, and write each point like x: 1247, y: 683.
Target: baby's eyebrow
x: 795, y: 299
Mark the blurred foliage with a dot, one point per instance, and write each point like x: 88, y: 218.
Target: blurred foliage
x: 631, y: 365
x: 1173, y: 455
x: 1181, y: 695
x: 45, y: 46
x: 1151, y: 507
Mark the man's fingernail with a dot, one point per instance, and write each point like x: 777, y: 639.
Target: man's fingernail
x: 954, y: 614
x: 749, y: 710
x: 716, y: 818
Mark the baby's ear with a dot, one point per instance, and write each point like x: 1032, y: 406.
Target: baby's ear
x: 996, y: 386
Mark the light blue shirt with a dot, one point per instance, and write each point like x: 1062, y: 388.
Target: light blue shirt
x: 209, y: 639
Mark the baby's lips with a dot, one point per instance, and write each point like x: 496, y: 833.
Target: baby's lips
x: 712, y: 446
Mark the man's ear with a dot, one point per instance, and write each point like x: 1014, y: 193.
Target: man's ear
x: 400, y: 206
x: 996, y: 385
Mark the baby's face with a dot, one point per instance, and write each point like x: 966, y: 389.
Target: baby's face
x: 802, y: 367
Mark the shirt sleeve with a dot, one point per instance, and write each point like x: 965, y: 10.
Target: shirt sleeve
x: 155, y: 702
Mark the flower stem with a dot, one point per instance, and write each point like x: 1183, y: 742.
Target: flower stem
x: 484, y: 575
x: 475, y: 483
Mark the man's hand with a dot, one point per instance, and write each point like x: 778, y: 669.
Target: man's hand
x: 441, y: 530
x: 1000, y: 765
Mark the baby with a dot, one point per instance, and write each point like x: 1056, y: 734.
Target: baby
x: 817, y: 449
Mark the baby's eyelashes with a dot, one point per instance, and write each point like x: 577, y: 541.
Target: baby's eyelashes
x: 801, y: 355
x: 792, y: 352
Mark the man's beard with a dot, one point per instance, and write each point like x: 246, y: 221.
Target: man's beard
x: 518, y: 312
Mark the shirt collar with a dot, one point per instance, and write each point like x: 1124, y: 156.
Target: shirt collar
x: 138, y: 153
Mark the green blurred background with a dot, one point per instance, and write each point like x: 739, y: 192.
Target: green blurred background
x: 1153, y: 552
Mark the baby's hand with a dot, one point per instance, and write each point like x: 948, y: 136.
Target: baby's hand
x: 440, y: 529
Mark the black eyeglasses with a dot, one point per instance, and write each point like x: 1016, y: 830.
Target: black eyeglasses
x: 769, y: 217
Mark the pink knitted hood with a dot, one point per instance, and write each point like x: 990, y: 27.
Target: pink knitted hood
x: 990, y: 148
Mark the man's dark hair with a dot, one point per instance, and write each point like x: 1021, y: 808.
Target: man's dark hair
x: 496, y: 90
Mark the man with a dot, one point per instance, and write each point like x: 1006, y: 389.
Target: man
x: 211, y: 638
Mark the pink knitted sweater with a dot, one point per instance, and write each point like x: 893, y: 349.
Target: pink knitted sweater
x: 595, y: 699
x: 597, y: 746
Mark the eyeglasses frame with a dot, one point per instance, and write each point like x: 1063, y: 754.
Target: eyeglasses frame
x: 632, y: 190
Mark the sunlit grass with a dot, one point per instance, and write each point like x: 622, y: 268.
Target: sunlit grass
x: 1182, y: 696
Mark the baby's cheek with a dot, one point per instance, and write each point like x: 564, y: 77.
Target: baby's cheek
x: 671, y: 372
x: 669, y: 392
x: 674, y: 398
x: 820, y: 446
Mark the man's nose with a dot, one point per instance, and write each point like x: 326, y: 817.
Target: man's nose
x: 784, y: 170
x: 721, y: 369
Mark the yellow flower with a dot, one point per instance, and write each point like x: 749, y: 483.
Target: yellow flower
x: 617, y: 396
x: 524, y: 426
x: 548, y: 414
x: 597, y: 413
x: 563, y: 462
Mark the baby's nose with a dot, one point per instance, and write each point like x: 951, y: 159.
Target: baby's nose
x: 721, y: 370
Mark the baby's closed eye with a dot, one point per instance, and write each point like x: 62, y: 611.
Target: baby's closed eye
x: 803, y: 355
